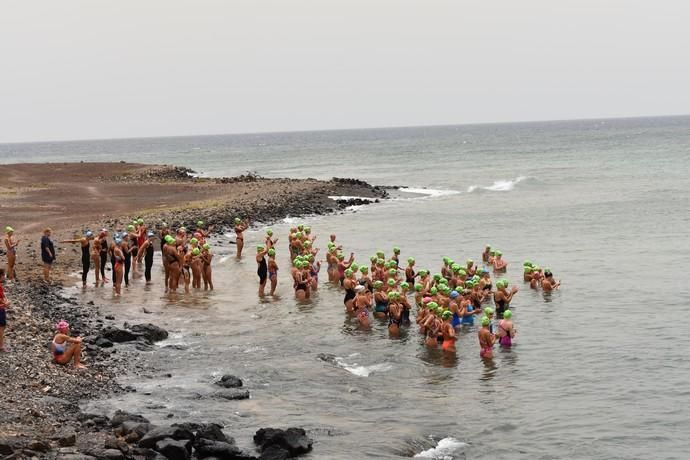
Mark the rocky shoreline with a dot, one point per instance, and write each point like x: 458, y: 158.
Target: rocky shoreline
x: 41, y: 417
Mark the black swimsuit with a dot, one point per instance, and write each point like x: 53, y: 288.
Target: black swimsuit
x: 262, y: 271
x: 85, y: 261
x: 349, y: 294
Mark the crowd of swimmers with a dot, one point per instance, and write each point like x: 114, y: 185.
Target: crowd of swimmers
x: 383, y: 289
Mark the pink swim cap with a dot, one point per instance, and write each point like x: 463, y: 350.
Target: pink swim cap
x: 62, y: 325
x: 427, y: 299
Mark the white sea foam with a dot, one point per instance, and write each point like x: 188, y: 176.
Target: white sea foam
x: 499, y: 185
x: 348, y: 197
x: 446, y: 449
x: 363, y: 371
x: 430, y: 192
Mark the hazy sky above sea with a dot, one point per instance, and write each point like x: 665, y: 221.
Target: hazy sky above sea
x: 95, y: 69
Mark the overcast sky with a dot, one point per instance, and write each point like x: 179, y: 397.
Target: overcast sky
x: 96, y: 69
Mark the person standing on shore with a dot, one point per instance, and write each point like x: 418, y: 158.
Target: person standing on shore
x: 11, y: 247
x: 47, y: 253
x: 240, y: 227
x: 3, y: 313
x: 146, y: 252
x: 85, y: 243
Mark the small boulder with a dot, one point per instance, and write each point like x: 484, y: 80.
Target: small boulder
x: 103, y: 342
x: 151, y: 332
x: 6, y: 447
x: 230, y: 381
x: 274, y: 453
x: 158, y: 434
x: 39, y: 446
x: 117, y: 335
x: 232, y: 394
x: 212, y: 432
x: 294, y: 440
x: 112, y: 454
x: 122, y: 416
x: 205, y: 448
x: 174, y: 449
x: 66, y: 438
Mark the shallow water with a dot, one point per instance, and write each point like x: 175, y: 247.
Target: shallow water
x: 599, y: 370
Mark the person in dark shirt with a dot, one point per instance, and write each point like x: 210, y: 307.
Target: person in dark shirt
x: 47, y: 253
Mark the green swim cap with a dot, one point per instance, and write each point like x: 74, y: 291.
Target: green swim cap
x: 446, y: 314
x: 488, y: 246
x: 169, y: 239
x: 469, y: 261
x: 300, y: 227
x: 298, y: 235
x: 528, y: 269
x: 404, y: 285
x: 391, y: 282
x: 505, y: 282
x: 130, y: 228
x: 193, y: 241
x: 364, y: 269
x: 410, y: 260
x: 485, y: 321
x: 437, y: 276
x: 547, y: 270
x: 536, y: 268
x: 140, y: 221
x: 488, y: 311
x: 196, y: 252
x: 433, y: 291
x: 443, y: 281
x: 380, y: 262
x: 311, y: 257
x: 269, y: 232
x: 507, y: 314
x: 418, y: 287
x: 492, y: 252
x: 380, y: 253
x: 307, y: 230
x: 391, y: 295
x: 354, y: 267
x: 392, y: 272
x: 446, y: 259
x: 499, y: 253
x: 455, y: 267
x: 199, y: 223
x: 271, y: 252
x: 207, y: 246
x: 237, y: 220
x: 9, y: 229
x: 469, y: 284
x: 462, y: 272
x: 341, y: 256
x: 260, y: 248
x: 378, y: 284
x: 527, y: 263
x: 451, y: 262
x: 307, y: 243
x: 396, y: 250
x: 423, y: 272
x: 432, y: 305
x: 348, y: 272
x: 373, y: 258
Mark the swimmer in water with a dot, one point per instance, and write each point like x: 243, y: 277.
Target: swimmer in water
x: 272, y: 270
x: 174, y: 262
x: 197, y: 265
x: 11, y: 244
x: 502, y: 296
x: 548, y: 284
x: 206, y: 271
x: 240, y: 227
x: 500, y: 265
x: 349, y: 283
x: 486, y: 340
x: 537, y: 277
x: 262, y: 269
x: 118, y: 258
x: 410, y: 274
x: 395, y: 313
x: 527, y: 273
x: 486, y: 254
x: 506, y: 330
x: 361, y: 304
x: 65, y: 348
x: 448, y: 332
x: 146, y: 250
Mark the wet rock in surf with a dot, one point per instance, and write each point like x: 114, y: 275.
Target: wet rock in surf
x: 121, y: 416
x: 161, y: 433
x: 327, y: 358
x: 232, y: 394
x: 116, y: 335
x: 205, y: 448
x: 212, y: 432
x: 229, y: 381
x: 294, y: 440
x: 274, y: 453
x: 150, y: 332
